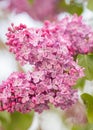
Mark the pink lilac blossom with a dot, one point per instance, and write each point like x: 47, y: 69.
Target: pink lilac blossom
x: 19, y: 5
x: 51, y: 51
x: 19, y: 93
x: 70, y: 36
x: 38, y: 9
x: 35, y: 91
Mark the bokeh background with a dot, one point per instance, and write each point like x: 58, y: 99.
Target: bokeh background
x: 33, y: 13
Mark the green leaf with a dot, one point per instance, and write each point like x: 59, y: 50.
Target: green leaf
x: 20, y: 121
x: 80, y: 83
x: 90, y: 4
x: 5, y: 115
x: 16, y: 120
x: 83, y: 127
x: 86, y: 61
x: 5, y: 119
x: 77, y: 128
x: 71, y: 8
x: 88, y: 101
x: 30, y: 1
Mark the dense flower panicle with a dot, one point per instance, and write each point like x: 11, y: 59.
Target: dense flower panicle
x: 20, y: 93
x: 69, y: 36
x: 38, y: 9
x: 51, y: 50
x: 74, y: 33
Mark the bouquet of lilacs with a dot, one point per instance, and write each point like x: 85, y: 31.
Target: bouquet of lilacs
x: 60, y: 55
x: 52, y: 52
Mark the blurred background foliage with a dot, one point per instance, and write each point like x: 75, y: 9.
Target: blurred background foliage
x: 15, y: 121
x: 90, y: 4
x: 72, y: 7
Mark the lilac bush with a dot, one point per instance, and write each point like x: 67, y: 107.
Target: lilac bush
x: 51, y: 50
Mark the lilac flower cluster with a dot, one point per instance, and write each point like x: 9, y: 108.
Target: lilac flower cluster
x: 21, y: 93
x: 51, y: 50
x: 70, y: 36
x: 46, y: 9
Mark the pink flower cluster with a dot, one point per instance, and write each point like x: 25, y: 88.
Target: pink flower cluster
x: 51, y: 50
x: 70, y: 36
x: 38, y: 9
x: 19, y: 5
x: 21, y: 93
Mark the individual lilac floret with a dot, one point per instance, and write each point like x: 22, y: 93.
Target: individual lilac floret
x: 70, y: 36
x: 21, y: 93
